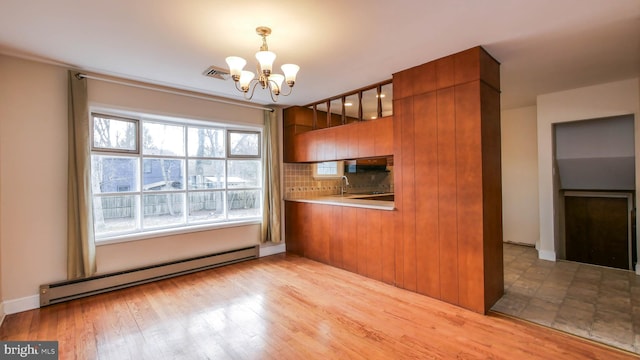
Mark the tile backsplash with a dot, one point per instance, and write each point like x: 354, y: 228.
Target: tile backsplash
x: 299, y: 182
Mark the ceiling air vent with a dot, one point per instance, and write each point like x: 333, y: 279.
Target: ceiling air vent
x: 216, y: 73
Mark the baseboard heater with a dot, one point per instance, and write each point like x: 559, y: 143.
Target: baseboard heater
x: 73, y: 289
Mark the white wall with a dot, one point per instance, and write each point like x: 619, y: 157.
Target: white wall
x: 520, y: 215
x: 33, y: 179
x: 611, y: 99
x: 33, y: 159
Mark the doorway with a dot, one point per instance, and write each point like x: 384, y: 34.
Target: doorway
x: 595, y: 178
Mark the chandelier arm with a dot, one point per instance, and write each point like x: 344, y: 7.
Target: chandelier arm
x: 237, y: 83
x: 253, y: 89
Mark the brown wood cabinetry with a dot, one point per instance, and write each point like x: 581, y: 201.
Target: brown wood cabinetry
x: 355, y: 239
x: 359, y: 139
x: 296, y: 120
x: 383, y: 137
x: 366, y: 140
x: 444, y: 239
x: 447, y: 179
x: 297, y: 217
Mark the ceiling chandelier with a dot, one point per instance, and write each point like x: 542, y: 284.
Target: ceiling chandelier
x: 245, y: 80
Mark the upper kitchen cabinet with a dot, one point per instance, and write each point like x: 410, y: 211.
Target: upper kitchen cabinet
x: 460, y: 68
x: 367, y: 112
x: 357, y: 140
x: 296, y: 120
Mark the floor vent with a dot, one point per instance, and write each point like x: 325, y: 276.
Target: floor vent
x: 73, y: 289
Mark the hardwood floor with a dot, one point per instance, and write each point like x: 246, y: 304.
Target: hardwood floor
x: 285, y: 307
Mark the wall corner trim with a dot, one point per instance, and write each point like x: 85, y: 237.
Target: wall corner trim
x: 547, y: 255
x: 21, y: 304
x: 272, y: 249
x: 2, y: 315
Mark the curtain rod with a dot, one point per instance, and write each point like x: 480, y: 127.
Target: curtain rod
x: 174, y: 92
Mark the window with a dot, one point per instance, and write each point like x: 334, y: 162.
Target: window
x: 328, y: 170
x: 150, y: 175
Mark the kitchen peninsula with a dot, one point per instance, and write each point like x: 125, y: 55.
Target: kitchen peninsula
x: 443, y: 237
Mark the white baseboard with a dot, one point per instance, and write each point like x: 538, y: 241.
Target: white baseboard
x: 272, y: 250
x: 33, y: 302
x: 22, y: 304
x: 547, y: 255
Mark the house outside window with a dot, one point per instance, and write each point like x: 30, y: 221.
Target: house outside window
x: 151, y: 175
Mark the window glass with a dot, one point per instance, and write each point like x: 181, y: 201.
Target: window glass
x: 328, y: 170
x: 321, y: 115
x: 111, y: 174
x: 206, y: 142
x: 243, y: 144
x: 162, y: 210
x: 244, y: 173
x: 115, y: 134
x: 243, y: 203
x: 352, y: 108
x: 370, y: 104
x: 386, y: 94
x: 115, y: 214
x: 164, y: 174
x: 206, y: 174
x: 162, y: 139
x: 206, y: 206
x: 336, y: 112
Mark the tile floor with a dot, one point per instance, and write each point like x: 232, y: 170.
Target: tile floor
x: 598, y: 303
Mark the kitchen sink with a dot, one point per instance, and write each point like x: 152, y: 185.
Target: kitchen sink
x: 371, y: 196
x: 388, y: 197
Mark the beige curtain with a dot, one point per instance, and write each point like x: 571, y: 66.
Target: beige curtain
x: 271, y: 214
x: 81, y: 249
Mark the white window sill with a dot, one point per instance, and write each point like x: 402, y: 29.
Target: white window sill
x: 175, y: 231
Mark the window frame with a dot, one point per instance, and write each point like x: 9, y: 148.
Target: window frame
x: 135, y: 121
x: 339, y: 171
x: 187, y: 223
x: 228, y: 144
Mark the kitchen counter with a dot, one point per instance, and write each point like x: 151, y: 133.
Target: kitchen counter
x: 369, y: 201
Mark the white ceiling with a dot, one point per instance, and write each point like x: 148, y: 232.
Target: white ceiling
x: 543, y: 45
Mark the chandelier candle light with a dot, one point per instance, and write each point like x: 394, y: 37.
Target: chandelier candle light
x: 244, y: 80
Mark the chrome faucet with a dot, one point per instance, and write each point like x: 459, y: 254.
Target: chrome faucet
x: 343, y: 184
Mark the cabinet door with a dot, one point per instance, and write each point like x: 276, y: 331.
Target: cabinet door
x: 299, y: 148
x: 383, y: 134
x: 448, y: 155
x: 354, y: 136
x: 325, y: 141
x: 387, y: 238
x: 366, y: 138
x: 373, y: 251
x: 342, y: 142
x: 296, y: 220
x: 350, y: 245
x: 288, y: 145
x: 426, y: 169
x: 337, y: 238
x: 318, y: 239
x: 304, y: 147
x: 362, y: 239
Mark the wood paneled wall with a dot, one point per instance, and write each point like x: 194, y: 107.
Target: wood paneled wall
x: 448, y: 179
